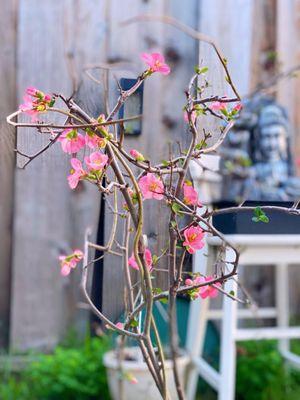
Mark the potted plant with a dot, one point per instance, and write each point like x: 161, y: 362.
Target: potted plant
x: 134, y: 180
x: 131, y: 375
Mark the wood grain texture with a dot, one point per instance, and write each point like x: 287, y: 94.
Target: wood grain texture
x: 163, y: 101
x: 50, y: 219
x: 7, y: 157
x: 126, y: 44
x: 263, y: 63
x: 288, y: 36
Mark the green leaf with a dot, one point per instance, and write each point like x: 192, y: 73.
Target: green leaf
x: 201, y: 145
x: 260, y: 215
x: 134, y: 323
x: 229, y: 165
x: 224, y: 112
x: 165, y: 163
x: 245, y: 161
x: 173, y: 224
x: 264, y: 218
x: 154, y: 259
x: 199, y: 70
x: 164, y: 300
x: 176, y: 208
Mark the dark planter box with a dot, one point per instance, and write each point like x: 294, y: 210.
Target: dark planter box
x: 241, y: 222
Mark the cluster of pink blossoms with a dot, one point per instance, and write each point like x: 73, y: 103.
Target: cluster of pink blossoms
x: 150, y: 185
x: 148, y: 259
x: 95, y: 162
x: 69, y: 262
x: 203, y: 291
x: 221, y: 106
x: 35, y: 102
x: 72, y: 141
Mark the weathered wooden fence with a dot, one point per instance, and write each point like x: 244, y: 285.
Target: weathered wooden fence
x: 47, y: 44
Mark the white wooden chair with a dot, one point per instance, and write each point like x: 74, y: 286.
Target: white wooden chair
x: 278, y: 250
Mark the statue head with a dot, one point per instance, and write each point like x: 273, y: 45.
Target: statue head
x: 271, y: 135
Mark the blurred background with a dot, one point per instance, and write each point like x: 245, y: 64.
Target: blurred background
x: 52, y: 45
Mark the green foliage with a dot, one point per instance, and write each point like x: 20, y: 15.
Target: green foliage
x: 260, y: 215
x: 68, y: 373
x: 261, y: 373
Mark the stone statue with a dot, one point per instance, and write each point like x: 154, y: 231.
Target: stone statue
x: 256, y: 156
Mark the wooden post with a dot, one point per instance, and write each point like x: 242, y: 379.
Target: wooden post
x: 56, y: 39
x: 228, y: 346
x: 7, y: 157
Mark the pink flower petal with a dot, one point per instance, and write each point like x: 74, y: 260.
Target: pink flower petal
x: 65, y: 270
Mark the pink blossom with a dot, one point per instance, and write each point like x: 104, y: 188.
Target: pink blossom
x: 32, y: 91
x: 193, y: 239
x: 156, y: 63
x: 148, y: 259
x: 133, y: 380
x: 130, y: 378
x: 77, y: 173
x: 71, y: 141
x: 190, y: 195
x: 94, y: 141
x: 203, y: 291
x: 69, y: 262
x: 96, y: 161
x: 151, y: 187
x: 238, y: 107
x: 217, y: 106
x: 133, y: 197
x: 28, y: 108
x: 137, y: 155
x: 209, y: 290
x: 120, y: 325
x: 35, y: 102
x: 102, y: 128
x: 193, y: 116
x: 190, y: 282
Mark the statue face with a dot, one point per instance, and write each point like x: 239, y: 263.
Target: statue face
x: 272, y: 143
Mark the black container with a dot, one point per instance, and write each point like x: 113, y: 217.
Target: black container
x: 241, y: 222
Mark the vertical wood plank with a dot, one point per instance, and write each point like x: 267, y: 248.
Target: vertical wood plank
x: 163, y: 102
x: 7, y: 157
x: 286, y: 50
x: 263, y: 54
x: 288, y: 35
x: 231, y: 26
x: 126, y: 44
x: 50, y: 219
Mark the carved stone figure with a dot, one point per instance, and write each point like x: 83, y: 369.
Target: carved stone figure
x: 256, y: 156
